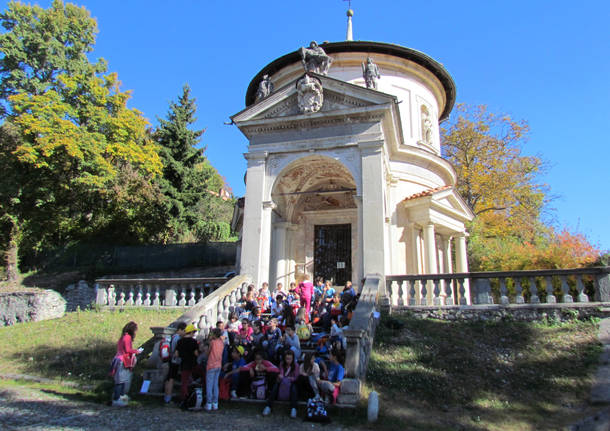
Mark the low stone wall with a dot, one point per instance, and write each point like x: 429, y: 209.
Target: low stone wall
x: 521, y: 312
x: 30, y: 306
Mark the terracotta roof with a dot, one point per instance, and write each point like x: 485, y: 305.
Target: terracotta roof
x: 428, y: 192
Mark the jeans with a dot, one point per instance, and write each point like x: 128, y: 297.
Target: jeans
x: 211, y: 385
x: 122, y: 381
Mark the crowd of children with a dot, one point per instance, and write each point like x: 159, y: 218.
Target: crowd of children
x: 286, y: 345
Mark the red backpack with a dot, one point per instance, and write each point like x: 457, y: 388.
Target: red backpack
x: 165, y: 350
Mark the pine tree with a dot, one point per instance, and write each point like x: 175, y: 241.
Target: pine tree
x: 185, y: 176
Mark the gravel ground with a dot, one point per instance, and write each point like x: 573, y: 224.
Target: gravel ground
x: 23, y: 408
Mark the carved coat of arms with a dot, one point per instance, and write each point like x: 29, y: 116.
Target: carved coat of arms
x: 309, y: 94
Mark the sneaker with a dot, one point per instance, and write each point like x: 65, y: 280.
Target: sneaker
x: 293, y: 413
x: 267, y: 411
x: 208, y: 407
x: 233, y: 394
x: 119, y: 403
x: 214, y: 406
x: 125, y: 398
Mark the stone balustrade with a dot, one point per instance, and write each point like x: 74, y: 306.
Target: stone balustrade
x: 204, y: 314
x: 360, y: 337
x: 504, y: 288
x: 155, y: 292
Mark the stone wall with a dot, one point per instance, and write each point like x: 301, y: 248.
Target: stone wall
x: 30, y: 305
x: 79, y: 295
x: 522, y: 312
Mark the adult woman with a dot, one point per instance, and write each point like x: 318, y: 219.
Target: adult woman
x: 285, y: 384
x: 123, y: 363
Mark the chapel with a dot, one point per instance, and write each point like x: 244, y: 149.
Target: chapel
x: 345, y: 176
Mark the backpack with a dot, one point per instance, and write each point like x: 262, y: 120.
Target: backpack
x: 316, y: 411
x: 194, y: 400
x: 259, y: 388
x: 165, y: 350
x: 303, y: 332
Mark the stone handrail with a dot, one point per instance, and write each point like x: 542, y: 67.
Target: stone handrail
x: 155, y: 292
x: 216, y: 306
x: 360, y: 336
x: 500, y: 287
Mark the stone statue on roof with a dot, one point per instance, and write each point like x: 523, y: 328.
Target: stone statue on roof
x: 370, y: 72
x: 265, y: 88
x: 315, y: 59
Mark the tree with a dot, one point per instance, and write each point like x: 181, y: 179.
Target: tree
x: 187, y: 175
x: 500, y: 184
x: 68, y: 141
x: 40, y: 44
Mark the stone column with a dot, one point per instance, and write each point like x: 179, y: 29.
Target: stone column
x: 430, y: 249
x: 265, y: 250
x: 461, y: 261
x: 359, y: 267
x: 279, y: 251
x: 447, y: 264
x: 252, y: 231
x: 373, y: 232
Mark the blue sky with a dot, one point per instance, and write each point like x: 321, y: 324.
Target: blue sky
x: 542, y: 61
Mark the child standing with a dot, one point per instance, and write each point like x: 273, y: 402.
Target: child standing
x: 188, y: 350
x: 215, y: 350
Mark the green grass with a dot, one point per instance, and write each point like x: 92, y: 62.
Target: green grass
x: 434, y: 374
x: 77, y: 348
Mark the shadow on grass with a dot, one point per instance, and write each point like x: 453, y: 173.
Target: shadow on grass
x: 88, y: 366
x: 477, y: 375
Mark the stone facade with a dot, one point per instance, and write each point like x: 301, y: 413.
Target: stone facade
x: 367, y: 158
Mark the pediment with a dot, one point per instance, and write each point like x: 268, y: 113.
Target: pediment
x: 338, y: 97
x: 444, y: 199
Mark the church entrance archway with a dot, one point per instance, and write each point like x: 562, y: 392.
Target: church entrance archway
x: 315, y: 221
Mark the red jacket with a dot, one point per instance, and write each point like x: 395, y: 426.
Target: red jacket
x: 270, y: 367
x: 125, y: 351
x: 306, y: 289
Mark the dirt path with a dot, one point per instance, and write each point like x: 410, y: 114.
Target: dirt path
x: 24, y: 408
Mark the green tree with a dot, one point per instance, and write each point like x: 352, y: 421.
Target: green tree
x: 70, y: 147
x: 187, y: 176
x: 39, y: 44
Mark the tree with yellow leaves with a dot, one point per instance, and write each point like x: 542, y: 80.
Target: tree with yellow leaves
x: 501, y: 186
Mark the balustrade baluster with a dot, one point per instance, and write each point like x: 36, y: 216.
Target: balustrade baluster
x: 550, y: 298
x: 201, y: 295
x: 424, y: 293
x: 111, y: 295
x: 203, y: 326
x: 580, y: 287
x: 191, y: 300
x: 146, y: 301
x: 437, y: 300
x: 157, y: 297
x: 519, y: 290
x: 138, y: 302
x: 220, y: 310
x: 449, y: 292
x: 394, y: 294
x: 182, y: 301
x: 121, y: 301
x: 226, y: 308
x: 533, y: 291
x: 403, y: 299
x: 504, y: 299
x: 462, y: 290
x: 565, y: 288
x: 412, y: 293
